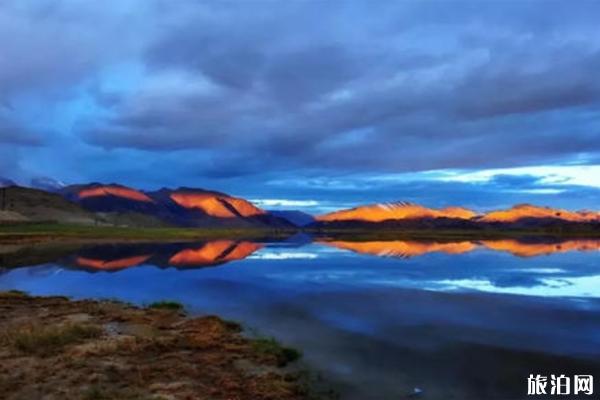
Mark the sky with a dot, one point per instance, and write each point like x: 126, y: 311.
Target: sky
x: 309, y: 105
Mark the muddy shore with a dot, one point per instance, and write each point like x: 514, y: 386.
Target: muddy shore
x: 56, y: 348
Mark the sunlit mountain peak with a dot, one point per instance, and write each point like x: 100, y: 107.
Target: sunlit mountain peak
x: 216, y: 204
x: 114, y: 190
x: 395, y: 211
x: 521, y: 211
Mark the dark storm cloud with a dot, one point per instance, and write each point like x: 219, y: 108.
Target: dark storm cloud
x: 469, y: 89
x: 531, y: 80
x: 12, y: 132
x: 234, y: 91
x: 50, y: 46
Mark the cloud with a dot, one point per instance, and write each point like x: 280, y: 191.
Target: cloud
x: 48, y: 46
x: 238, y: 80
x: 285, y: 203
x: 569, y: 187
x: 237, y: 95
x: 13, y: 132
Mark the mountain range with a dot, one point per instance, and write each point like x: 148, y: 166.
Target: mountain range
x: 115, y: 204
x: 409, y: 215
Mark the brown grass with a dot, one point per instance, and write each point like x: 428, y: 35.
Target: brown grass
x: 47, y: 340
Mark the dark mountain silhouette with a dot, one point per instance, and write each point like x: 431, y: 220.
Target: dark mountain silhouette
x: 5, y: 182
x: 179, y: 207
x: 26, y: 204
x: 298, y: 218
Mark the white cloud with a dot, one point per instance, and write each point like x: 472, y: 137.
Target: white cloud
x: 584, y: 175
x: 285, y: 203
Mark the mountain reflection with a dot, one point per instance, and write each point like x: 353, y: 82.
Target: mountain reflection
x: 403, y: 249
x: 111, y: 264
x: 115, y: 257
x: 408, y: 248
x: 211, y: 252
x: 189, y: 255
x: 538, y: 249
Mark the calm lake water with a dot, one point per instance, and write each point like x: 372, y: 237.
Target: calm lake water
x: 378, y: 320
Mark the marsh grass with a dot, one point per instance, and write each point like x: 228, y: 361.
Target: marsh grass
x: 166, y: 305
x: 14, y: 293
x: 272, y: 347
x: 233, y: 326
x: 48, y: 340
x: 81, y: 232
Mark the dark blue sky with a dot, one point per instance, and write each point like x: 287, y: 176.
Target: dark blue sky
x: 308, y: 104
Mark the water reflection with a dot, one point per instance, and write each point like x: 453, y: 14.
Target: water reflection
x: 115, y: 257
x: 220, y: 251
x: 402, y: 248
x: 537, y: 249
x: 108, y: 265
x: 405, y: 249
x: 459, y: 320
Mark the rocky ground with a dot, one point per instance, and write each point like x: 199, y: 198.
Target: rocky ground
x: 55, y: 348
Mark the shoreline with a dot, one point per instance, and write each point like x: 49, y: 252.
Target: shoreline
x: 46, y: 233
x: 99, y: 349
x: 82, y: 234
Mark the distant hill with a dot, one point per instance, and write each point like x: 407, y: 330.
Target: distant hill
x: 119, y: 205
x: 25, y: 204
x: 395, y: 211
x: 298, y: 218
x: 5, y: 182
x: 179, y: 207
x: 115, y: 204
x: 528, y: 211
x: 414, y: 216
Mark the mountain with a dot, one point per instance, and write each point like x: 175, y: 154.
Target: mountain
x: 208, y: 208
x: 395, y: 211
x: 298, y: 218
x: 214, y: 204
x: 179, y: 207
x: 26, y: 204
x: 527, y: 211
x: 115, y: 204
x: 409, y: 215
x: 112, y: 197
x: 5, y: 182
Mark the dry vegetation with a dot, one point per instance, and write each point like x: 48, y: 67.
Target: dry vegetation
x: 54, y: 348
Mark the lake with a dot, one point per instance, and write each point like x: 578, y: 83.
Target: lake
x: 377, y: 320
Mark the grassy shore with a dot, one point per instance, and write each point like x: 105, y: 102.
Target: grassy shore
x: 52, y: 232
x: 18, y: 233
x: 52, y: 347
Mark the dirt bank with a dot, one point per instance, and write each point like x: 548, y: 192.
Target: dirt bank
x: 55, y: 348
